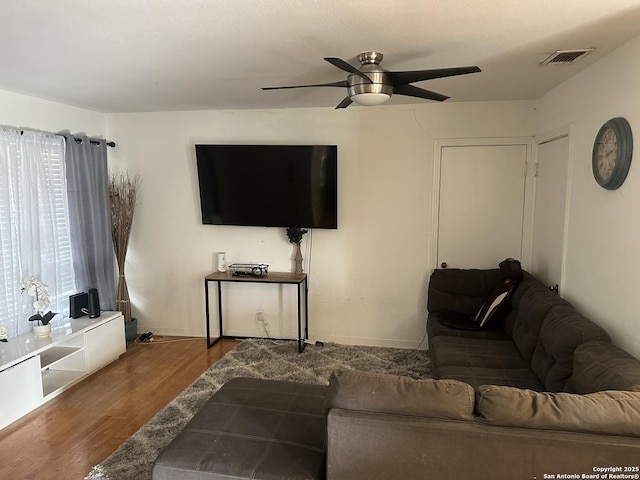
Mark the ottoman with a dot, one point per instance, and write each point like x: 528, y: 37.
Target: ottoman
x: 251, y: 428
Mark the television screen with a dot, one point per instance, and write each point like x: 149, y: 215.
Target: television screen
x: 268, y: 185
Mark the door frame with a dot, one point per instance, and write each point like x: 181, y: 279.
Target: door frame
x: 546, y: 137
x: 527, y: 218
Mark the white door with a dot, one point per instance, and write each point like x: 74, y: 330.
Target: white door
x: 552, y: 168
x: 481, y: 205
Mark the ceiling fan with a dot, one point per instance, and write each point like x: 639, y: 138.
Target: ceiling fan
x: 373, y: 85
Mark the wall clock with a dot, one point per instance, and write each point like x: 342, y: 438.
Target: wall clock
x: 612, y: 150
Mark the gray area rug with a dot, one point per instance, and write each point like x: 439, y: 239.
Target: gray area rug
x: 258, y: 359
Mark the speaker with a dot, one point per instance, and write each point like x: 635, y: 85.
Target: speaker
x: 222, y: 262
x: 94, y: 303
x: 78, y: 305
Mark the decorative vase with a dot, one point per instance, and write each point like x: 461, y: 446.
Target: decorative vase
x: 42, y: 330
x: 298, y: 259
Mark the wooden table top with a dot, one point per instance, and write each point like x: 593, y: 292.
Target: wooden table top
x: 271, y: 277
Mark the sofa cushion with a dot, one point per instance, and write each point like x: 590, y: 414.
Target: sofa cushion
x: 436, y: 327
x: 458, y: 321
x: 601, y: 366
x: 563, y: 330
x: 476, y: 352
x: 532, y: 308
x: 610, y: 413
x: 460, y: 290
x: 527, y: 281
x: 476, y: 376
x: 383, y: 393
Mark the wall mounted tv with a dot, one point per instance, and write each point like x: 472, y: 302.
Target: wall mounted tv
x: 269, y: 185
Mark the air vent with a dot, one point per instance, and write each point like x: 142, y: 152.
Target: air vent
x: 563, y: 57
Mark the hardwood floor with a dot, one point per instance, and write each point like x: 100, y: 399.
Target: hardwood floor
x: 64, y: 438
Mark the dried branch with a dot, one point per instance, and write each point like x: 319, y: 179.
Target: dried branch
x: 123, y: 191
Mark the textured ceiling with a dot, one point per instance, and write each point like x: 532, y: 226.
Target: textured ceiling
x: 153, y: 55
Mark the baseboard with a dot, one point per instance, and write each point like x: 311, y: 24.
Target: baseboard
x: 342, y: 340
x: 371, y: 342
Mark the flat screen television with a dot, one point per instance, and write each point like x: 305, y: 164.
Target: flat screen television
x: 268, y: 185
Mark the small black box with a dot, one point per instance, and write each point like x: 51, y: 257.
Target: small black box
x: 77, y: 303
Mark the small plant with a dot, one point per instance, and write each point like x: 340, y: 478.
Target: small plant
x: 40, y: 292
x: 295, y: 234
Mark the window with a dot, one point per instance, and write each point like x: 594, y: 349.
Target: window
x: 34, y: 224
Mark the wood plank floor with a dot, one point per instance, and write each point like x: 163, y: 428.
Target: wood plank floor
x: 64, y: 438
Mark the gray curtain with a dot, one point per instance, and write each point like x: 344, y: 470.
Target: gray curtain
x: 90, y: 222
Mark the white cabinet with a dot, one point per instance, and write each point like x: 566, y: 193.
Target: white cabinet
x: 21, y: 391
x: 33, y: 370
x: 104, y: 343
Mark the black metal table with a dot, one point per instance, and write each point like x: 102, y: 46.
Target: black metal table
x: 273, y: 277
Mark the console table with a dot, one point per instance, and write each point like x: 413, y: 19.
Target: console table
x: 272, y: 277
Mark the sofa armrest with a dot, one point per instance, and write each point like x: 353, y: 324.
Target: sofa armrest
x: 392, y: 394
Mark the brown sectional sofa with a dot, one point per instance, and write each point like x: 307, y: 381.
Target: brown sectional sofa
x: 541, y: 395
x: 544, y: 392
x: 531, y: 347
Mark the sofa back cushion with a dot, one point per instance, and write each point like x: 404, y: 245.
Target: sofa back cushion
x: 462, y: 291
x: 609, y: 413
x: 384, y: 393
x: 599, y: 366
x: 563, y: 330
x: 529, y: 309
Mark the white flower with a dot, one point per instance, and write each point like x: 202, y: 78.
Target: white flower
x: 41, y: 305
x: 39, y: 290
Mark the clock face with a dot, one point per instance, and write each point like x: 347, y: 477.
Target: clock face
x: 611, y: 157
x: 607, y: 154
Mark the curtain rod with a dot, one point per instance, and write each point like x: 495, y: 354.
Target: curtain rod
x: 93, y: 141
x: 96, y: 142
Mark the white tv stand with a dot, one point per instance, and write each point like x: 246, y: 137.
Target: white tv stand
x: 33, y: 370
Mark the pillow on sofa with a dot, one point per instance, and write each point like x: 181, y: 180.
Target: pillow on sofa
x: 496, y: 299
x: 383, y: 393
x: 487, y: 313
x: 512, y: 269
x: 610, y: 413
x: 599, y: 365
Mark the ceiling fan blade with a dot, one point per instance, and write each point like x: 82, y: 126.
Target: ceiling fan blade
x: 411, y: 91
x: 403, y: 78
x: 342, y: 65
x: 344, y: 103
x: 342, y: 83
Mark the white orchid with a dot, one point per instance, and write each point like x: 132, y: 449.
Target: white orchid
x: 41, y: 305
x: 40, y: 291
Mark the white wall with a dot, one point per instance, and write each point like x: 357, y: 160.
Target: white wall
x: 18, y: 110
x: 368, y: 277
x: 603, y: 251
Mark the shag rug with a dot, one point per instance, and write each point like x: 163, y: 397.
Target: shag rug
x: 258, y: 359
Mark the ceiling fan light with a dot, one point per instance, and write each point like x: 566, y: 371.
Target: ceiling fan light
x: 370, y: 99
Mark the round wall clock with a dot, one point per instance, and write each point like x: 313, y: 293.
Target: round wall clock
x: 612, y: 150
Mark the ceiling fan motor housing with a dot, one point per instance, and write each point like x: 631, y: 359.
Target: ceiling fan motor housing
x: 370, y: 66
